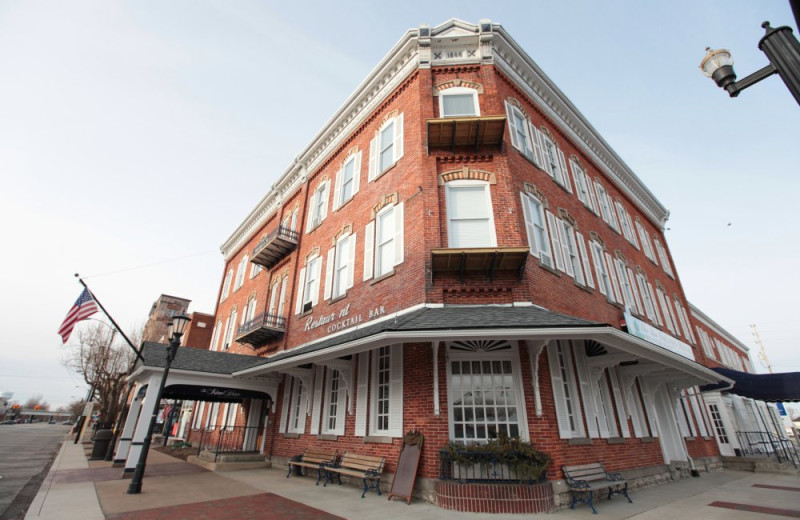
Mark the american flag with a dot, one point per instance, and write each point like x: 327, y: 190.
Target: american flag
x: 83, y: 308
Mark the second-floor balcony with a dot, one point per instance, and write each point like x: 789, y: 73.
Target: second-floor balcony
x: 261, y: 329
x: 479, y: 261
x: 451, y: 133
x: 275, y: 246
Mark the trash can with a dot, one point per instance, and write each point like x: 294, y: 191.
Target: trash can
x: 101, y: 441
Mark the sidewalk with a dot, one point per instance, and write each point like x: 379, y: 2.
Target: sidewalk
x: 172, y: 489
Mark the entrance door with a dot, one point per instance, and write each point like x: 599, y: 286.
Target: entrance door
x: 669, y: 435
x: 726, y: 448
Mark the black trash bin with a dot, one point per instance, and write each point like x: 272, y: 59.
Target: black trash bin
x: 101, y: 441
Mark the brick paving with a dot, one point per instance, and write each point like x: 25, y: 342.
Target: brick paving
x: 782, y: 488
x: 789, y: 513
x: 265, y: 506
x: 69, y: 476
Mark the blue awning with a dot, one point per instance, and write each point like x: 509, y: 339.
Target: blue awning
x: 762, y: 387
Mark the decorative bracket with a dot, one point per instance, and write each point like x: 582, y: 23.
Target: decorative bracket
x: 535, y: 349
x: 306, y: 376
x: 345, y: 369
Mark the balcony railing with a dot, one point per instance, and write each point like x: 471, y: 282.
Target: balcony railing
x: 479, y: 466
x: 275, y: 246
x: 261, y: 329
x: 230, y: 439
x: 768, y: 444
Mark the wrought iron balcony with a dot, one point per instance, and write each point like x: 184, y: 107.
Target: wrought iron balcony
x: 261, y: 329
x: 275, y: 246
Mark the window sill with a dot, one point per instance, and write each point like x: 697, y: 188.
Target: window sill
x: 384, y: 172
x: 382, y: 277
x: 327, y: 437
x: 549, y: 269
x: 584, y: 287
x: 646, y: 440
x: 345, y: 203
x: 306, y: 313
x: 708, y: 438
x: 378, y: 439
x: 580, y: 441
x: 338, y: 298
x: 690, y: 438
x: 615, y: 440
x: 291, y: 435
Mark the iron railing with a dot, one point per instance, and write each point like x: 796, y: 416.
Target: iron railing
x: 768, y: 444
x: 228, y: 439
x: 264, y: 320
x: 282, y: 232
x: 479, y: 466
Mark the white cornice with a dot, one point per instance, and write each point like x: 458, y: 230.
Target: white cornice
x: 714, y: 326
x: 400, y: 62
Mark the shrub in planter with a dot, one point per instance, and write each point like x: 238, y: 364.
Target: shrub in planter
x: 511, y: 458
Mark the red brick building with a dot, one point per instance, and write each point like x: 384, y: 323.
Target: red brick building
x: 459, y: 252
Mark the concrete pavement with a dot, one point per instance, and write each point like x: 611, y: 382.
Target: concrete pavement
x: 173, y: 489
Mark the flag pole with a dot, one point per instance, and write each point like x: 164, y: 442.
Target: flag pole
x: 114, y: 323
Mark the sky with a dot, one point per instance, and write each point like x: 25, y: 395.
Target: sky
x: 136, y: 135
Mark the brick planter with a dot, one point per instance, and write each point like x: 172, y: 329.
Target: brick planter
x: 495, y: 498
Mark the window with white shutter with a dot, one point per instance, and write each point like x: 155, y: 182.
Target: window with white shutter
x: 386, y: 392
x: 297, y: 407
x: 572, y: 255
x: 458, y: 102
x: 226, y: 286
x: 565, y: 390
x: 199, y: 408
x: 627, y: 290
x: 606, y: 207
x: 386, y: 148
x: 554, y: 163
x: 342, y: 265
x: 648, y: 303
x: 347, y: 180
x: 603, y: 278
x: 470, y: 220
x: 519, y: 129
x: 583, y: 186
x: 334, y: 403
x: 538, y: 239
x: 669, y: 319
x: 318, y: 206
x: 647, y: 245
x: 309, y: 284
x: 662, y: 255
x: 384, y: 242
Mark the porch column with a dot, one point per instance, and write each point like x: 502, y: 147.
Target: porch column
x: 127, y: 430
x: 146, y: 411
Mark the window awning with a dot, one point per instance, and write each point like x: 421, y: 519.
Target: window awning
x: 761, y: 387
x: 211, y: 393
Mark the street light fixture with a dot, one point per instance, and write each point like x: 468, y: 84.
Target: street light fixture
x: 176, y: 330
x: 782, y: 50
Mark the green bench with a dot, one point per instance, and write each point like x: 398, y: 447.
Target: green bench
x: 585, y: 479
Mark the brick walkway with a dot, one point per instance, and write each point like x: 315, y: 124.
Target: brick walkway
x: 69, y: 476
x: 265, y: 506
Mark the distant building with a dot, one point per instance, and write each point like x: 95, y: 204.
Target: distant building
x: 164, y: 308
x: 198, y: 333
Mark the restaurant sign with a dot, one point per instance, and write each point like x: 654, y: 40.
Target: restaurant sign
x: 337, y: 321
x: 649, y: 333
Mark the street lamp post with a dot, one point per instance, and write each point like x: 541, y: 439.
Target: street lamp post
x: 176, y: 329
x: 782, y: 50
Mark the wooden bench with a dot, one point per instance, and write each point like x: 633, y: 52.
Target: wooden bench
x: 368, y: 468
x: 314, y: 458
x: 585, y: 479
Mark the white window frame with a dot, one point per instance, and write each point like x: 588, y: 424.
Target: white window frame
x: 335, y: 396
x: 226, y: 286
x: 583, y: 186
x: 459, y: 91
x: 229, y: 332
x: 510, y: 356
x: 554, y: 163
x: 373, y: 244
x: 339, y: 196
x: 647, y: 245
x: 319, y: 206
x: 520, y: 131
x: 255, y: 269
x: 662, y: 254
x: 297, y: 407
x: 340, y: 267
x: 394, y: 384
x: 565, y: 390
x: 312, y: 282
x: 572, y: 255
x: 378, y: 147
x: 606, y: 206
x: 604, y: 284
x: 536, y: 227
x: 627, y: 224
x: 451, y: 188
x: 240, y: 271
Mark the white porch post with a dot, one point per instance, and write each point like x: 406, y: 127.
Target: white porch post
x: 146, y: 411
x: 127, y: 430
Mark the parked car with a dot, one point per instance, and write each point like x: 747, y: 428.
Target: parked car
x: 9, y: 421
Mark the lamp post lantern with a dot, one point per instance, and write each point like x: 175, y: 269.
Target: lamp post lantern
x: 782, y: 50
x: 176, y: 330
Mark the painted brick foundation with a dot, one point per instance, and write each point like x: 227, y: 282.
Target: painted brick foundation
x: 495, y: 498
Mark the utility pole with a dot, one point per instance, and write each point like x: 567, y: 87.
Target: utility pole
x: 762, y: 352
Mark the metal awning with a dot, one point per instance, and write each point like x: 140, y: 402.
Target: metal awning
x: 761, y: 387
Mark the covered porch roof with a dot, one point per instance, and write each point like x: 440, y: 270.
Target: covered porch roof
x: 467, y: 322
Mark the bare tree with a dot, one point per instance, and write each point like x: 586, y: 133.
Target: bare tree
x: 104, y: 365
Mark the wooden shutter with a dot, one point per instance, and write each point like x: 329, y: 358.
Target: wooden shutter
x: 564, y: 173
x: 565, y: 251
x: 512, y: 127
x: 326, y: 295
x: 597, y: 256
x: 351, y: 259
x: 287, y: 385
x: 357, y: 172
x: 399, y: 247
x: 398, y: 138
x: 301, y: 285
x: 538, y: 150
x: 610, y: 267
x: 311, y: 204
x: 317, y: 266
x: 655, y: 303
x: 587, y: 392
x: 317, y: 406
x: 526, y: 212
x: 373, y: 159
x: 361, y: 394
x: 558, y: 252
x: 698, y: 413
x: 648, y: 398
x: 557, y: 383
x: 632, y: 282
x: 369, y: 244
x: 396, y: 391
x: 681, y: 416
x: 619, y: 402
x: 587, y: 270
x: 327, y: 195
x: 337, y: 190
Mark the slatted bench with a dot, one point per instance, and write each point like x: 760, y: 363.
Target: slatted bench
x: 314, y: 458
x: 585, y: 479
x: 368, y: 468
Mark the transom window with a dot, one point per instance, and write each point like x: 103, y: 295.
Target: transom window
x: 470, y: 222
x: 458, y: 102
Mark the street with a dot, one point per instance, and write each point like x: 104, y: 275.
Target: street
x: 26, y: 452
